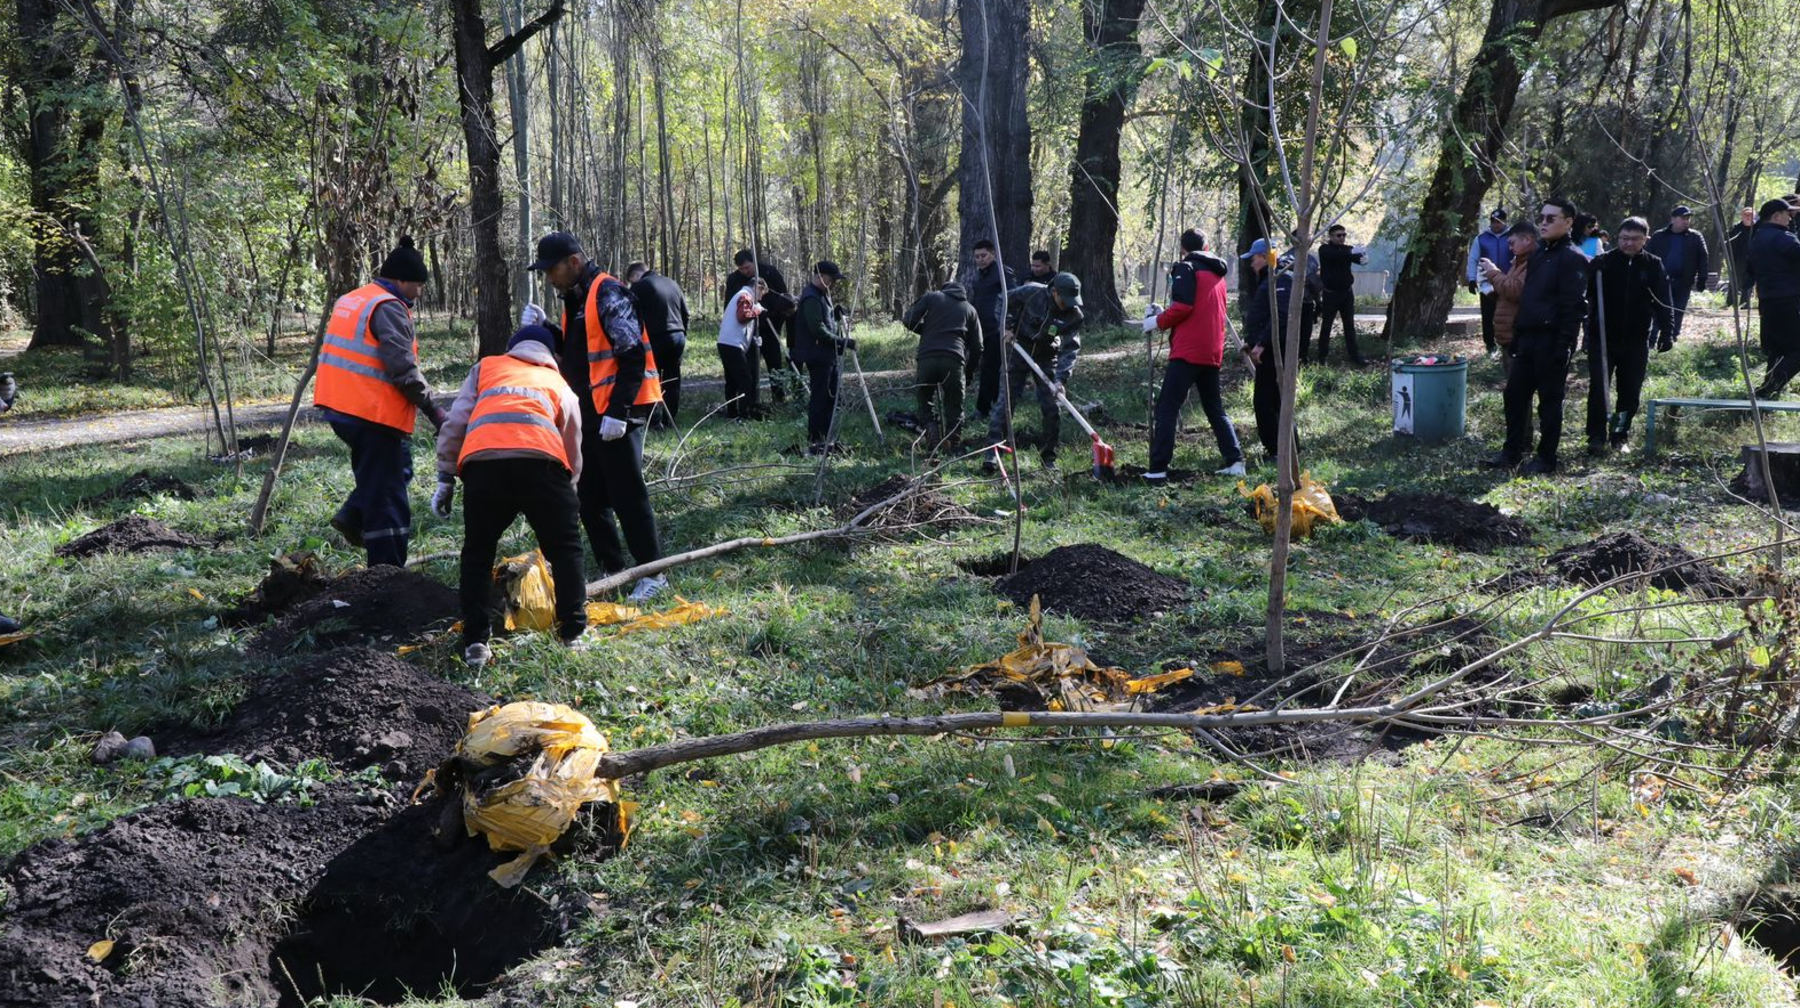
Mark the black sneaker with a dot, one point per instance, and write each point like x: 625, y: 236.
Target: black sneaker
x: 1598, y: 449
x: 1539, y: 466
x: 1501, y: 460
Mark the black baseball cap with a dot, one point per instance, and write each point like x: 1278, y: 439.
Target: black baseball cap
x: 1497, y: 214
x: 828, y: 268
x: 554, y: 248
x: 1682, y: 211
x: 1773, y: 207
x: 1069, y: 286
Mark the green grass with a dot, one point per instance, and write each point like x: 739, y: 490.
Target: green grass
x: 1471, y: 872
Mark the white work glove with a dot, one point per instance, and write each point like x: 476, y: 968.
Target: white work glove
x: 446, y: 493
x: 1150, y: 315
x: 611, y: 428
x: 532, y: 315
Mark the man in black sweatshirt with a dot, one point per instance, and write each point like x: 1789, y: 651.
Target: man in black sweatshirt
x: 1336, y: 257
x: 949, y: 354
x: 663, y: 309
x: 1775, y: 258
x: 987, y: 285
x: 1552, y: 307
x: 1628, y: 301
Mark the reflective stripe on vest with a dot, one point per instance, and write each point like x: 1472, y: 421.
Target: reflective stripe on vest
x: 603, y: 369
x: 351, y: 378
x: 515, y: 410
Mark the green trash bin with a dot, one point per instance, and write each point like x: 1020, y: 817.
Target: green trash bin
x: 1430, y: 394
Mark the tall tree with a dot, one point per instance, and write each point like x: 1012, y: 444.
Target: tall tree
x: 475, y: 64
x: 1468, y: 149
x: 1114, y: 69
x: 993, y: 174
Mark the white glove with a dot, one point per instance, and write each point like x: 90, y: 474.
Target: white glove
x: 611, y: 428
x: 1150, y: 315
x: 532, y: 315
x: 440, y: 501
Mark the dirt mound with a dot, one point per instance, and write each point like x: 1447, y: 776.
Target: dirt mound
x: 374, y: 605
x: 1620, y: 553
x: 225, y: 901
x: 1094, y: 583
x: 927, y: 507
x: 130, y: 534
x: 1437, y: 518
x: 141, y: 484
x: 293, y: 578
x: 356, y: 706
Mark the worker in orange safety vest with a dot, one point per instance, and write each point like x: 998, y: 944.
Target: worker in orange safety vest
x: 370, y: 389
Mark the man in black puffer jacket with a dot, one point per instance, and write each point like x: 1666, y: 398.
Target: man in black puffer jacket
x: 1628, y: 299
x: 1552, y: 307
x: 1775, y: 259
x: 949, y: 354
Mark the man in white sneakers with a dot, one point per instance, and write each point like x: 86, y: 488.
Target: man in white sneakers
x: 1195, y: 321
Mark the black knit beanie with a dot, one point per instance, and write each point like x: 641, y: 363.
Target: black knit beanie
x: 405, y: 263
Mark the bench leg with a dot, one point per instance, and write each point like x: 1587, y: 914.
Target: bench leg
x: 1650, y: 429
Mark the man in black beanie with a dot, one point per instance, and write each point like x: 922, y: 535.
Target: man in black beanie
x: 370, y: 389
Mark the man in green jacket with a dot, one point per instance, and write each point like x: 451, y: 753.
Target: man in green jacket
x: 1045, y: 319
x: 949, y: 331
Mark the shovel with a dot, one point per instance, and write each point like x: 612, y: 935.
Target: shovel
x: 1103, y: 453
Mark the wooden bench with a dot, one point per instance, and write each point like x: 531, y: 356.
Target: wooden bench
x: 1650, y: 408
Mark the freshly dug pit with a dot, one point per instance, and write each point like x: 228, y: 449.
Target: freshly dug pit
x: 292, y: 579
x: 993, y: 565
x: 225, y: 901
x: 375, y: 605
x: 356, y: 706
x: 1135, y: 474
x: 927, y: 507
x: 1094, y: 583
x: 130, y: 534
x: 1619, y: 553
x: 1438, y: 518
x: 139, y: 485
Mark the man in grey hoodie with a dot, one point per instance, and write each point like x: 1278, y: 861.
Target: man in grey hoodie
x: 949, y: 331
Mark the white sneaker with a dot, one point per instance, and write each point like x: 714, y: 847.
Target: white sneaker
x: 477, y: 655
x: 1156, y: 477
x: 579, y: 643
x: 1234, y: 469
x: 648, y: 588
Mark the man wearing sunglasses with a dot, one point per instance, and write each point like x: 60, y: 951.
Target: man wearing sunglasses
x: 1552, y: 307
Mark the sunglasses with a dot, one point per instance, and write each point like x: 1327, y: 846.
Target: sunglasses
x: 1549, y: 218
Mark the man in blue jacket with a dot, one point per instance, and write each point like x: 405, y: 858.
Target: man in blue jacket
x: 1683, y: 254
x: 1490, y: 245
x: 1775, y: 259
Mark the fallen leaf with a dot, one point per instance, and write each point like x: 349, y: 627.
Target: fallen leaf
x: 100, y: 950
x: 1230, y: 668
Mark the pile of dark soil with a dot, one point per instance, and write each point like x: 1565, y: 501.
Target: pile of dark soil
x: 356, y: 706
x: 130, y: 534
x: 225, y: 901
x: 927, y: 507
x: 141, y: 484
x: 1619, y: 553
x: 1437, y: 518
x: 293, y: 578
x: 1094, y: 583
x: 374, y: 605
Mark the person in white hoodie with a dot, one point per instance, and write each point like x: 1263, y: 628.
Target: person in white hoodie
x: 514, y: 436
x: 738, y: 338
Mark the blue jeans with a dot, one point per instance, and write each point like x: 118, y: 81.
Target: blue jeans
x: 381, y: 460
x: 1181, y: 376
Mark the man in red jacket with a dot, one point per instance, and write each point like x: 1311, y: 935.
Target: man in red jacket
x: 1196, y: 321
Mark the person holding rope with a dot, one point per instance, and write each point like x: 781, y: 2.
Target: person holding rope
x: 1628, y: 306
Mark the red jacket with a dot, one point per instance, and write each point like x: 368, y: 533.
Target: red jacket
x: 1196, y: 312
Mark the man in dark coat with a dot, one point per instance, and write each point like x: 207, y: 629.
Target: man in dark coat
x: 987, y: 285
x: 818, y: 345
x: 773, y: 321
x: 1552, y: 307
x: 949, y: 352
x: 1628, y: 302
x: 1336, y: 257
x: 1044, y: 319
x: 1775, y: 257
x: 1737, y: 257
x: 663, y: 310
x: 1683, y: 254
x: 1266, y: 337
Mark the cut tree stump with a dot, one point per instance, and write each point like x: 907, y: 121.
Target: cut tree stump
x: 1784, y: 469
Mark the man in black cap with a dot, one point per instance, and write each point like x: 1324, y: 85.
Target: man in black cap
x: 1775, y: 259
x: 1044, y: 319
x: 818, y: 344
x: 604, y: 350
x: 370, y: 388
x: 772, y: 322
x: 663, y: 310
x: 1628, y: 306
x: 1492, y: 246
x: 1683, y: 254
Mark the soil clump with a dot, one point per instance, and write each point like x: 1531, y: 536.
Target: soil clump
x: 130, y: 534
x: 356, y: 706
x: 926, y: 507
x: 1619, y: 553
x: 1437, y: 518
x: 373, y: 605
x: 292, y: 579
x: 1094, y: 583
x: 141, y: 484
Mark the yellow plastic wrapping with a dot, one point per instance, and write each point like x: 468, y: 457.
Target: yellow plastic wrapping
x: 529, y: 593
x: 529, y: 813
x: 1312, y: 505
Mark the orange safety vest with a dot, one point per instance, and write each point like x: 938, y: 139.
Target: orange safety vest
x: 351, y: 378
x: 515, y: 408
x: 603, y: 370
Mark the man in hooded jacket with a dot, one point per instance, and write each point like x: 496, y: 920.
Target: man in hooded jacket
x: 949, y: 355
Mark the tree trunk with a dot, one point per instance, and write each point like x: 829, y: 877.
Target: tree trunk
x: 475, y: 96
x: 1112, y: 81
x: 994, y: 172
x: 1255, y: 214
x: 518, y: 97
x: 1470, y: 144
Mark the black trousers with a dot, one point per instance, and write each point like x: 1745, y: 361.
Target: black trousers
x: 494, y: 493
x: 1265, y: 396
x: 1540, y: 369
x: 1678, y: 302
x: 612, y: 483
x: 1338, y: 305
x: 740, y: 381
x: 1780, y: 341
x: 1488, y: 302
x: 381, y: 461
x: 1049, y: 410
x: 1627, y: 361
x: 1178, y: 378
x: 822, y: 385
x: 668, y: 351
x: 1309, y: 320
x: 988, y: 392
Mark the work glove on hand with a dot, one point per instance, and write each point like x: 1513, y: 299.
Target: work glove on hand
x: 838, y: 312
x: 1150, y: 315
x: 1473, y: 288
x: 445, y: 494
x: 436, y: 415
x: 532, y: 315
x: 612, y: 428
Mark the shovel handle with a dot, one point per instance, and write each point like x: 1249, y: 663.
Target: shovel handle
x: 1060, y: 397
